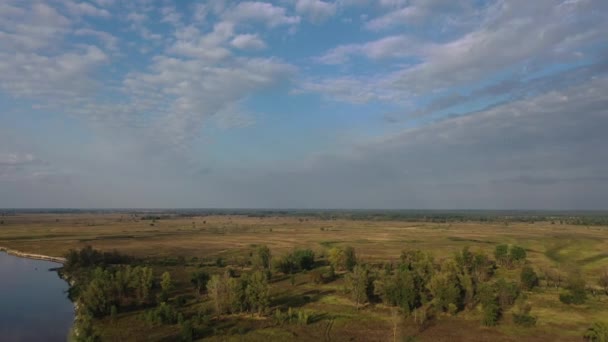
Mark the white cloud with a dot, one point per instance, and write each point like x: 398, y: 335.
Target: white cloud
x: 260, y: 12
x: 434, y: 13
x: 109, y: 41
x: 316, y: 10
x: 170, y: 15
x: 248, y: 42
x: 511, y: 35
x: 28, y: 29
x: 541, y: 152
x: 211, y: 46
x: 184, y: 92
x: 85, y: 9
x: 388, y: 47
x: 62, y: 77
x: 394, y: 18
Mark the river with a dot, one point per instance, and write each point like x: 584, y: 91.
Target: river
x: 33, y: 301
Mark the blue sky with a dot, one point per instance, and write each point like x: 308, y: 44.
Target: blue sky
x: 304, y: 103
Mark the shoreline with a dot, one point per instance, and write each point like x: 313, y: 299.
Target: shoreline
x: 21, y: 254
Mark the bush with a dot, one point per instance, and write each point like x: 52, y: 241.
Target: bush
x: 598, y: 332
x: 162, y: 314
x: 291, y: 316
x: 304, y: 258
x: 524, y: 319
x: 491, y: 314
x: 187, y: 332
x: 576, y: 293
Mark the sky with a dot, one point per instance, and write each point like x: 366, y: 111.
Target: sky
x: 393, y: 104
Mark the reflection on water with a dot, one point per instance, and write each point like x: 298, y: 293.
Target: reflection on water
x: 33, y: 301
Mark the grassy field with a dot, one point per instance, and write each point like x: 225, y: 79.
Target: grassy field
x: 202, y: 239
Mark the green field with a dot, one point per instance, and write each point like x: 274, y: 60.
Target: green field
x: 182, y: 244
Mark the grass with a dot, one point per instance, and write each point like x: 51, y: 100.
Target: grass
x: 234, y: 237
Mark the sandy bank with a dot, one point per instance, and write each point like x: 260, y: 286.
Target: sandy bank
x: 32, y: 255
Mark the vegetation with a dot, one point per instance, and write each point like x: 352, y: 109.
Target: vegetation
x: 272, y: 278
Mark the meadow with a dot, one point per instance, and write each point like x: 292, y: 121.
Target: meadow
x: 182, y: 244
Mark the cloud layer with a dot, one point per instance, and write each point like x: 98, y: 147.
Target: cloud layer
x: 304, y: 103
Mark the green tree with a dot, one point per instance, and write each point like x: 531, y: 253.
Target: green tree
x: 199, y: 279
x: 489, y: 302
x: 444, y: 291
x: 398, y: 289
x: 506, y: 292
x: 166, y: 285
x: 304, y: 259
x: 218, y: 292
x: 528, y: 278
x: 143, y: 279
x: 84, y: 330
x: 257, y: 292
x: 336, y: 258
x: 501, y: 253
x: 358, y: 284
x: 517, y: 254
x: 350, y: 258
x: 262, y: 258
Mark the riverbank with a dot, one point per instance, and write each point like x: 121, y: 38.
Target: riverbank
x: 32, y: 255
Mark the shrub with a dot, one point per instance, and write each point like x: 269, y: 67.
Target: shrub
x: 187, y: 332
x: 524, y: 319
x: 598, y: 332
x: 576, y: 293
x: 162, y: 314
x: 491, y: 314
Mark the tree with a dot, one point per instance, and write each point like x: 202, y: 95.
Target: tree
x: 166, y: 285
x: 529, y: 278
x: 262, y: 258
x: 304, y: 258
x: 517, y: 254
x: 257, y: 292
x: 286, y: 264
x: 506, y: 292
x: 199, y: 279
x: 218, y: 292
x: 489, y: 302
x: 84, y: 330
x: 144, y: 280
x: 501, y: 253
x: 598, y: 332
x: 336, y: 258
x: 350, y: 258
x: 358, y: 284
x: 398, y: 289
x: 444, y: 291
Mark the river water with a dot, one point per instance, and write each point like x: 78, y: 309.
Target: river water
x: 33, y: 301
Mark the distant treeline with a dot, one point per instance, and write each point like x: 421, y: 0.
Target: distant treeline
x: 585, y: 218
